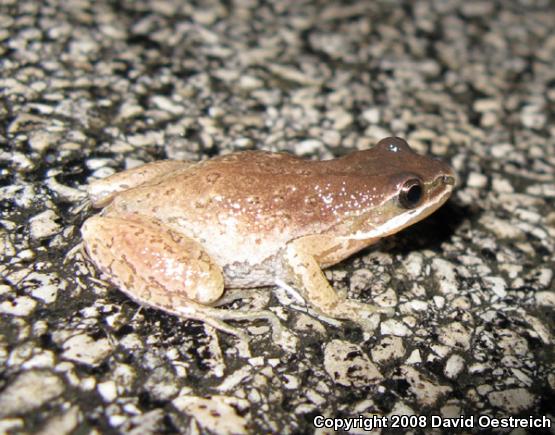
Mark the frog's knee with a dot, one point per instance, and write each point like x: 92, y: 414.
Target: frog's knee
x: 96, y: 235
x: 206, y: 292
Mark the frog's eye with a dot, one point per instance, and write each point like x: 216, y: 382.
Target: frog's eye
x: 411, y: 193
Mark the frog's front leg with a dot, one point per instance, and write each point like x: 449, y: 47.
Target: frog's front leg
x: 304, y: 256
x: 161, y: 268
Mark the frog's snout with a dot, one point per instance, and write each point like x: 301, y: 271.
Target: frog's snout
x: 448, y: 180
x: 444, y: 182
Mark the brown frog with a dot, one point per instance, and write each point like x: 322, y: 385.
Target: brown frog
x: 173, y: 234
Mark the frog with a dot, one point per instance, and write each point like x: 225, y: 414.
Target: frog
x: 173, y: 235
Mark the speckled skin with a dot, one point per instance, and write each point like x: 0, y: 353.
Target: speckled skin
x: 253, y: 217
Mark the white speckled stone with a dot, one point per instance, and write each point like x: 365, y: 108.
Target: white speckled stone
x: 496, y: 284
x: 414, y: 264
x: 7, y: 248
x: 151, y: 138
x: 235, y: 378
x: 394, y: 327
x: 11, y: 425
x: 44, y: 359
x: 168, y: 105
x: 40, y: 140
x: 545, y: 299
x: 161, y: 384
x: 131, y: 341
x: 107, y: 390
x: 347, y: 364
x: 445, y: 273
x: 88, y: 384
x: 545, y: 190
x: 476, y: 179
x: 440, y: 352
x: 388, y: 348
x: 501, y: 185
x: 455, y: 334
x: 533, y: 117
x: 454, y: 366
x: 501, y: 228
x: 414, y: 357
x: 5, y: 289
x: 29, y: 391
x: 94, y: 164
x: 84, y: 349
x: 308, y: 146
x: 124, y: 376
x: 451, y: 410
x: 371, y: 115
x: 341, y: 119
x: 62, y: 424
x: 44, y: 225
x: 487, y: 105
x: 218, y: 414
x: 309, y: 324
x: 426, y: 391
x: 290, y: 382
x: 388, y: 298
x: 20, y: 306
x: 417, y: 305
x: 511, y: 342
x: 401, y: 408
x: 512, y: 401
x: 130, y: 110
x: 46, y: 286
x: 146, y: 424
x: 539, y: 329
x: 439, y: 301
x: 542, y: 277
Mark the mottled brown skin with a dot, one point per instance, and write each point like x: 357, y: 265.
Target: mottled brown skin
x: 265, y: 191
x: 262, y: 216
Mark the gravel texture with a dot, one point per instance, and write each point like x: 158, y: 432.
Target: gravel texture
x: 89, y: 88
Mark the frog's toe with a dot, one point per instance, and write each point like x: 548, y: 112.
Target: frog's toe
x: 366, y: 315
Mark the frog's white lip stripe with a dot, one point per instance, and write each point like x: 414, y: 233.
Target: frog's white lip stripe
x: 398, y: 222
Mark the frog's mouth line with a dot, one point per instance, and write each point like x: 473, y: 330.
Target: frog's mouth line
x: 405, y: 219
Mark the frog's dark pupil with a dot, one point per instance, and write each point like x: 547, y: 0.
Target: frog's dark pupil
x: 414, y: 194
x: 411, y: 194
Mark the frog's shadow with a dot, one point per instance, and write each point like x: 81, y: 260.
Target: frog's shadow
x: 431, y: 232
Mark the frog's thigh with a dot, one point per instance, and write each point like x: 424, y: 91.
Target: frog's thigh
x: 151, y: 263
x: 101, y: 192
x: 301, y: 256
x: 162, y: 269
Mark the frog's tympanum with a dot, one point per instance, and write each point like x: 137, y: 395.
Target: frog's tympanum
x: 172, y: 234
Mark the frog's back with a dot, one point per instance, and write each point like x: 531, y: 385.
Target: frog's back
x: 244, y: 208
x: 258, y: 190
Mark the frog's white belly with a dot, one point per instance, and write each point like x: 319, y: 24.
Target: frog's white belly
x: 245, y: 260
x: 244, y: 275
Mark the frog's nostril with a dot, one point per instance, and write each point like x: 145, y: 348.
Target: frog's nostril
x: 447, y: 179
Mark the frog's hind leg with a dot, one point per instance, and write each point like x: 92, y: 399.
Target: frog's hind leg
x: 101, y: 192
x: 158, y: 267
x: 217, y: 317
